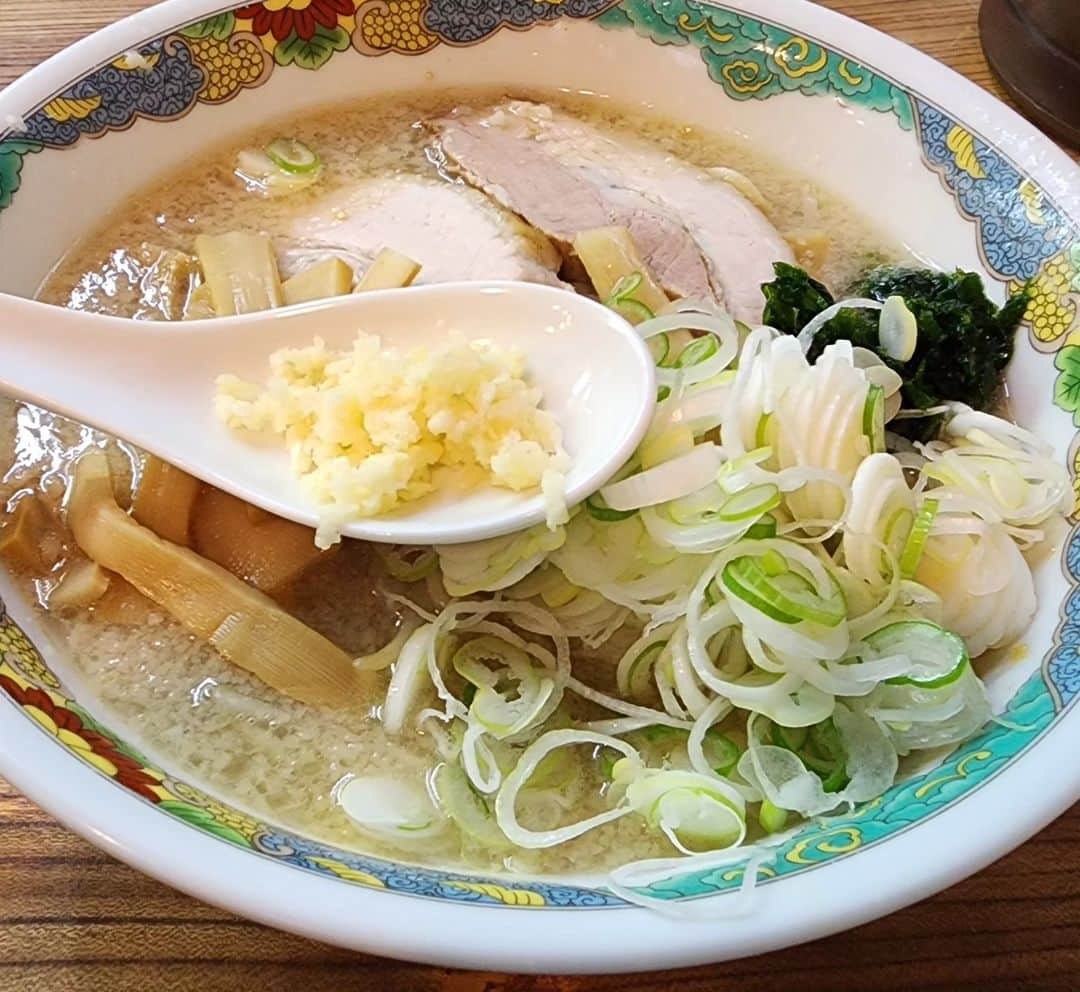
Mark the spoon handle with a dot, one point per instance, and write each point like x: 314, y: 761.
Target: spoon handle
x: 86, y: 366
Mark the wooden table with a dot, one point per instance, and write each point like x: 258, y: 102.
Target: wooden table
x: 72, y: 918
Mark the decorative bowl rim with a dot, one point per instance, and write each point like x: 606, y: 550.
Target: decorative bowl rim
x: 484, y: 935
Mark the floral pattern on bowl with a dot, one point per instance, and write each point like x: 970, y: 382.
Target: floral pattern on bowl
x: 1022, y: 234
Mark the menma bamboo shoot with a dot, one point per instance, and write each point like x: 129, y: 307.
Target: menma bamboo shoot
x: 246, y: 626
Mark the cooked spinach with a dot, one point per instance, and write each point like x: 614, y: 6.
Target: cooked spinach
x: 964, y: 340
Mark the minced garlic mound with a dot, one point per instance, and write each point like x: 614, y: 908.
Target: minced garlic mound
x: 366, y: 428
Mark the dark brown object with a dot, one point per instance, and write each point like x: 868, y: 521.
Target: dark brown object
x: 73, y: 919
x: 1034, y: 48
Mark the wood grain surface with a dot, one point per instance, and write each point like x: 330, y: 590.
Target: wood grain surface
x: 73, y: 919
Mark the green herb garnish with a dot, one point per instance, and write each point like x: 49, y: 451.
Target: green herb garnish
x: 964, y: 340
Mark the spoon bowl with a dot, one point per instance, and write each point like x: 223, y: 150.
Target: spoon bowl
x: 153, y: 384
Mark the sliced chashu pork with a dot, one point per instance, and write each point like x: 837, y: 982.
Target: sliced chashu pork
x: 698, y: 234
x: 452, y: 230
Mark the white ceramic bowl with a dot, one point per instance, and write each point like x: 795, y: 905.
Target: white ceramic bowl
x: 944, y: 168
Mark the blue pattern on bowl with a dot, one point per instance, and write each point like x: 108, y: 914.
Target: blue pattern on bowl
x: 1022, y: 235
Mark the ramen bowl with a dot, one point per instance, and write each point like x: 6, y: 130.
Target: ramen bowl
x: 940, y: 166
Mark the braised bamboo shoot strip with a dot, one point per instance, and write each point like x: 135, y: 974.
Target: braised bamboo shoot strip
x: 390, y: 270
x: 611, y: 258
x: 200, y: 304
x: 164, y: 500
x: 83, y: 583
x: 20, y: 537
x: 265, y: 551
x: 246, y: 626
x: 241, y: 271
x: 330, y: 277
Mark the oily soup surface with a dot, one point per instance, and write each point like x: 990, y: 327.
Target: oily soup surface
x: 174, y: 696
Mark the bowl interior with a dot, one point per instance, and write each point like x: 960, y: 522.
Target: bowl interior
x: 950, y: 188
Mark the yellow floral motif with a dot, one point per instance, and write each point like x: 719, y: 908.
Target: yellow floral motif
x: 792, y: 57
x: 1055, y: 306
x: 866, y: 808
x: 18, y: 652
x: 347, y: 873
x: 65, y: 108
x: 243, y: 824
x: 962, y: 144
x: 842, y: 840
x: 391, y: 26
x: 1031, y: 197
x: 1074, y: 459
x: 511, y: 897
x: 238, y: 62
x: 73, y: 742
x: 735, y: 874
x: 962, y: 771
x: 703, y: 25
x: 844, y: 68
x: 14, y: 675
x: 746, y: 77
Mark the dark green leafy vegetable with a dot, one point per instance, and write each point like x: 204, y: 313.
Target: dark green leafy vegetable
x: 964, y: 340
x: 793, y: 298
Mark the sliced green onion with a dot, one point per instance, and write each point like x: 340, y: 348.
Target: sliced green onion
x: 679, y: 340
x: 733, y: 466
x: 553, y: 772
x: 901, y: 521
x: 762, y: 529
x: 659, y: 346
x: 793, y: 738
x: 657, y: 733
x: 697, y: 351
x: 761, y: 434
x: 408, y: 564
x: 873, y: 421
x: 559, y: 594
x: 825, y: 739
x: 621, y: 299
x: 606, y: 759
x: 836, y: 780
x: 898, y: 331
x: 292, y: 155
x: 721, y: 751
x: 696, y: 812
x: 773, y: 563
x: 466, y: 807
x: 637, y: 676
x: 772, y: 818
x: 623, y: 287
x: 265, y: 176
x: 634, y: 310
x: 389, y: 807
x: 503, y: 712
x: 599, y: 509
x: 938, y: 656
x: 912, y: 552
x: 752, y: 502
x: 823, y: 751
x: 786, y: 597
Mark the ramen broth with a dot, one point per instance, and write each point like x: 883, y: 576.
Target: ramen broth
x: 172, y: 695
